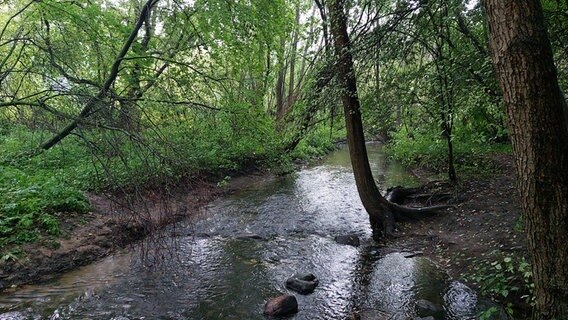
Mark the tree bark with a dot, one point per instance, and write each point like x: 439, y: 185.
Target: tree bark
x: 280, y: 82
x: 321, y: 6
x: 129, y: 116
x: 522, y: 56
x: 292, y: 81
x: 380, y: 214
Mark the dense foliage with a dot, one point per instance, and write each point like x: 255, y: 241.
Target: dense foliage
x: 193, y: 97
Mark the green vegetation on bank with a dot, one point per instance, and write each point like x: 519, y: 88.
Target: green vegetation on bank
x: 114, y: 95
x: 37, y: 191
x: 507, y: 279
x: 472, y: 157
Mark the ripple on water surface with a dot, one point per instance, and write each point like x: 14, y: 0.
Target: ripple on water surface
x: 220, y: 276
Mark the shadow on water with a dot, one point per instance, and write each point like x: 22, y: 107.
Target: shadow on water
x: 220, y: 271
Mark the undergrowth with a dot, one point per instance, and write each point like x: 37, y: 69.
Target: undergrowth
x: 36, y: 192
x: 431, y: 151
x: 505, y: 278
x: 317, y: 143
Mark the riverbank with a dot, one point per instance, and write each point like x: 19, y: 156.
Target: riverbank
x: 484, y: 224
x: 479, y: 239
x: 113, y: 224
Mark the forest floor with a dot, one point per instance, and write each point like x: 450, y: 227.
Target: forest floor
x: 485, y: 221
x: 484, y: 226
x: 486, y: 218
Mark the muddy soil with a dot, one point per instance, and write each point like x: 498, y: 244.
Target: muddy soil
x: 486, y: 217
x: 114, y: 223
x: 484, y: 224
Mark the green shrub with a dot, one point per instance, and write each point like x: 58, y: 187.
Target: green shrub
x: 419, y: 148
x: 506, y: 279
x: 317, y: 143
x: 30, y: 203
x: 35, y: 190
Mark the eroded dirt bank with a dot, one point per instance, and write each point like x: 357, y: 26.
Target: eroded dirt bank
x: 112, y: 225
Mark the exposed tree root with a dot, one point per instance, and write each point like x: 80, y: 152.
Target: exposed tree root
x: 402, y: 213
x: 398, y: 195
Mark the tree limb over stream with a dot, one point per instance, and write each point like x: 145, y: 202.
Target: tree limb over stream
x: 89, y: 108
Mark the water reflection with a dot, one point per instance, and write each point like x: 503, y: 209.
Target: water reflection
x: 217, y: 275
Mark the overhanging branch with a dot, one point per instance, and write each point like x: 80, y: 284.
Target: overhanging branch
x: 88, y: 109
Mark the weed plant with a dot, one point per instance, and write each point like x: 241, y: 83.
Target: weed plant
x: 507, y: 279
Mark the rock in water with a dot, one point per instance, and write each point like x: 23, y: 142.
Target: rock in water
x: 349, y: 239
x: 306, y: 276
x: 249, y: 236
x: 303, y: 283
x: 425, y: 308
x: 281, y: 306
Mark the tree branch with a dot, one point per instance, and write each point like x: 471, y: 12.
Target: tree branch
x: 108, y: 82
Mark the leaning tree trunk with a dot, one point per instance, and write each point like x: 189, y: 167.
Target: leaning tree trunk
x: 380, y: 214
x: 522, y: 56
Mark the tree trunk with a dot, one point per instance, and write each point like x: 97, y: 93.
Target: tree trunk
x: 129, y: 117
x: 321, y: 6
x: 380, y: 214
x: 280, y: 82
x: 451, y: 168
x: 522, y: 56
x: 292, y: 81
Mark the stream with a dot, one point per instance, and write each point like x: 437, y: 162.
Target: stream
x: 213, y: 269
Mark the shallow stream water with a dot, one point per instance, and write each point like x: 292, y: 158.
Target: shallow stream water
x: 214, y: 270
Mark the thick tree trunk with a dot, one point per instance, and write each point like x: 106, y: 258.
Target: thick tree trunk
x: 378, y: 208
x: 522, y: 56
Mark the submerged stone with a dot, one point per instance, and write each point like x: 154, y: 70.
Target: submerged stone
x: 349, y: 239
x: 303, y: 283
x: 425, y: 308
x: 281, y: 306
x: 251, y: 236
